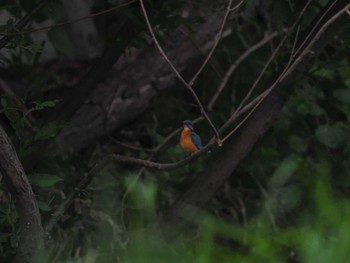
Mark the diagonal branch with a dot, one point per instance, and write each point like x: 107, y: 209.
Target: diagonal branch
x: 274, y: 54
x: 257, y: 80
x: 218, y: 38
x: 203, y: 112
x: 238, y: 61
x: 238, y: 147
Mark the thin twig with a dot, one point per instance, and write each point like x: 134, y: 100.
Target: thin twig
x: 256, y: 105
x: 238, y: 61
x: 203, y: 112
x: 289, y: 68
x: 169, y: 166
x: 272, y: 57
x: 217, y: 40
x: 294, y: 45
x: 237, y: 6
x: 201, y: 51
x: 313, y: 29
x: 67, y: 22
x: 131, y: 147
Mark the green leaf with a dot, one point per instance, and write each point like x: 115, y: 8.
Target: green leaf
x: 297, y: 144
x: 43, y: 180
x: 330, y: 136
x: 39, y: 105
x: 44, y: 206
x: 49, y: 130
x: 344, y: 71
x: 284, y: 171
x: 342, y: 95
x: 325, y: 73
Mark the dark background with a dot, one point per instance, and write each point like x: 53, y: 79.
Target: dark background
x: 85, y: 91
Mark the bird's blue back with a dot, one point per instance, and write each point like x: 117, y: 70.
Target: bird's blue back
x: 196, y: 140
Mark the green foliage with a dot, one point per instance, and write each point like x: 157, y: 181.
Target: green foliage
x: 331, y: 136
x: 321, y: 234
x: 43, y: 180
x: 49, y: 130
x: 17, y: 114
x: 8, y: 229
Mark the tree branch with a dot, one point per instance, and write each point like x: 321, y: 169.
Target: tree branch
x: 237, y: 147
x: 188, y: 86
x: 238, y: 61
x: 216, y: 43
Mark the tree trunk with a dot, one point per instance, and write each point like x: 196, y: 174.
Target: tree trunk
x: 31, y: 232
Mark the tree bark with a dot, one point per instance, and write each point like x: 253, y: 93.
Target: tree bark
x: 31, y: 231
x: 121, y: 99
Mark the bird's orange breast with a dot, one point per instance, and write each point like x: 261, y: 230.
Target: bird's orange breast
x: 186, y: 141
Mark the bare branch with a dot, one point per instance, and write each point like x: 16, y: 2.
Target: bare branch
x: 265, y: 108
x: 237, y: 6
x: 307, y: 52
x: 304, y: 57
x: 203, y: 112
x: 237, y: 147
x: 131, y: 147
x: 307, y: 38
x: 233, y: 67
x: 218, y: 38
x: 272, y: 57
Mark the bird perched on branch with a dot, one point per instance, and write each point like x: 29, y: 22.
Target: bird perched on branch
x: 189, y: 140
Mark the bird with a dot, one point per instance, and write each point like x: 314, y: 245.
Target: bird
x: 189, y: 140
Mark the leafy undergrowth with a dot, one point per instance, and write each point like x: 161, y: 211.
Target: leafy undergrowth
x: 321, y: 235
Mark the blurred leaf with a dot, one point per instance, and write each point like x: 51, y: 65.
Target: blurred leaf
x: 43, y: 180
x: 283, y: 172
x: 345, y: 72
x: 343, y: 103
x: 342, y: 95
x: 297, y: 143
x: 44, y: 206
x: 4, y: 237
x: 330, y: 136
x: 325, y: 73
x: 13, y: 114
x: 39, y: 105
x: 49, y: 130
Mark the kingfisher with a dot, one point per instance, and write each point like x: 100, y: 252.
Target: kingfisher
x: 189, y: 140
